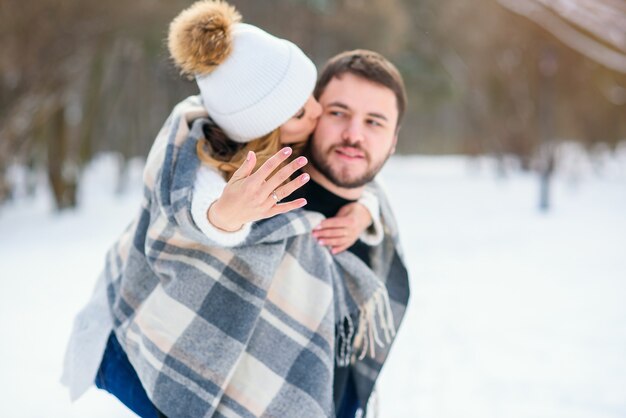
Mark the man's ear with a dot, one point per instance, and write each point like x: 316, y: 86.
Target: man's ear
x: 395, y: 142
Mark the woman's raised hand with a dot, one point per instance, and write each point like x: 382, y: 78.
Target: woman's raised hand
x: 249, y: 196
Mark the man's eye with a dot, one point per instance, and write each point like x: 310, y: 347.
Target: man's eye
x: 374, y: 122
x: 336, y: 113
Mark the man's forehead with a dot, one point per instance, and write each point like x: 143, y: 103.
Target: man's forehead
x: 357, y: 93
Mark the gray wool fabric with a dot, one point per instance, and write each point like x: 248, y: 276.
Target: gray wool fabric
x: 247, y: 331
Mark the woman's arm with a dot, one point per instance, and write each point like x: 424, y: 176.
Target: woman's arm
x: 208, y: 187
x: 224, y: 211
x: 373, y: 234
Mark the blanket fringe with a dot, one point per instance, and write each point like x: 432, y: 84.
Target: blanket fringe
x: 367, y: 335
x: 345, y: 331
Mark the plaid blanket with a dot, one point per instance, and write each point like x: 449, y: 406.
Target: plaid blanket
x: 247, y: 331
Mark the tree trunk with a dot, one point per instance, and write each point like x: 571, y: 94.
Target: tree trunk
x: 62, y: 180
x: 548, y: 67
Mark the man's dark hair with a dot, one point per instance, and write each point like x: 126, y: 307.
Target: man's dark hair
x: 368, y: 65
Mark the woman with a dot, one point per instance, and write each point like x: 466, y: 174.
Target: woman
x: 256, y: 89
x: 252, y: 123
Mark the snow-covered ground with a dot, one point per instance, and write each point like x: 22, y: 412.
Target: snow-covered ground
x: 514, y: 313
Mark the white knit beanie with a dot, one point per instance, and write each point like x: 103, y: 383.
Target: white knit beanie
x: 251, y: 82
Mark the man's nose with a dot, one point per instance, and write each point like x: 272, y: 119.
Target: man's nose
x: 352, y: 133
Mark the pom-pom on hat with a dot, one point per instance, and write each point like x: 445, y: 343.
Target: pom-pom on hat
x: 251, y: 82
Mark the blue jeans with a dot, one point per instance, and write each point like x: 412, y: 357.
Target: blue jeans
x: 349, y: 401
x: 118, y: 377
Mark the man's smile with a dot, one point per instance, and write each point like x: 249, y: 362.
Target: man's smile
x: 349, y: 153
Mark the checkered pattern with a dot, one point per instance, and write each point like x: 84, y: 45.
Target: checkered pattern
x: 247, y: 331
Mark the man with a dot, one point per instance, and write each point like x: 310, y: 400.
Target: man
x: 265, y: 329
x: 363, y: 101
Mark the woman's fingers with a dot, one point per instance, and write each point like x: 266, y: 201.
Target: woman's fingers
x: 334, y: 242
x: 330, y: 233
x: 339, y: 248
x: 284, y: 174
x: 335, y: 222
x: 271, y: 164
x: 286, y: 190
x: 286, y: 207
x: 338, y: 233
x: 246, y: 168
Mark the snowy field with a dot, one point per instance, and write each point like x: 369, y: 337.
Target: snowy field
x: 514, y: 313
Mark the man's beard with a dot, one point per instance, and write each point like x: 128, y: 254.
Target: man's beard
x: 337, y: 177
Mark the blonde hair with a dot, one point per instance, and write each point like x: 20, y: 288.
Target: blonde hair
x: 227, y: 162
x: 263, y: 147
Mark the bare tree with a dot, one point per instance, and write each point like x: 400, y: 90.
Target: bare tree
x: 82, y: 77
x: 595, y: 28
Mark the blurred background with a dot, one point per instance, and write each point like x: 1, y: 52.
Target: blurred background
x: 486, y: 77
x: 509, y: 185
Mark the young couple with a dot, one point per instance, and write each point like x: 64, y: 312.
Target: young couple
x: 227, y: 296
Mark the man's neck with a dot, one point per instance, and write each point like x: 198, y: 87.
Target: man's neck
x: 350, y: 194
